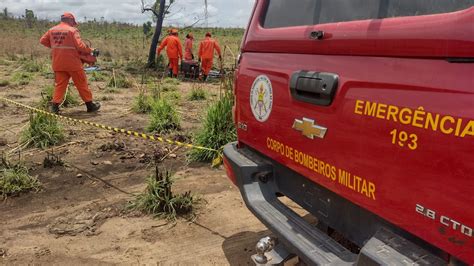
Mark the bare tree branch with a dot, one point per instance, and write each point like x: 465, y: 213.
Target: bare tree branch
x: 192, y: 25
x: 168, y: 8
x: 147, y: 8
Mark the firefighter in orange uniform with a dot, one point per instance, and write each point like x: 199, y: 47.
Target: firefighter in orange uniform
x: 66, y: 44
x: 174, y: 50
x: 206, y: 54
x: 188, y: 47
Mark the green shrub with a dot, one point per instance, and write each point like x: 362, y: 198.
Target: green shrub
x: 142, y: 103
x: 106, y: 98
x: 163, y: 117
x: 47, y: 74
x: 15, y: 179
x: 4, y: 62
x: 120, y: 80
x: 32, y: 66
x: 97, y: 76
x: 172, y: 96
x: 197, y: 94
x: 217, y: 131
x: 111, y: 90
x: 169, y: 85
x: 42, y: 132
x: 22, y: 78
x: 171, y: 81
x: 4, y: 83
x: 158, y: 199
x: 135, y: 66
x: 71, y: 99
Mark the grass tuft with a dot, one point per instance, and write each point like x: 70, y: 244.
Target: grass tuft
x: 142, y: 103
x: 120, y: 80
x: 42, y: 132
x: 22, y: 78
x: 158, y: 199
x: 71, y: 99
x: 4, y: 62
x: 111, y: 90
x: 197, y: 94
x: 15, y: 179
x: 32, y: 66
x: 163, y: 117
x: 97, y: 76
x: 4, y: 83
x: 169, y: 85
x: 135, y: 66
x: 172, y: 96
x: 217, y: 131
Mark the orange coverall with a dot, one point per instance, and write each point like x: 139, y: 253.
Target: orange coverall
x: 66, y: 44
x: 188, y: 49
x: 206, y: 53
x: 174, y: 50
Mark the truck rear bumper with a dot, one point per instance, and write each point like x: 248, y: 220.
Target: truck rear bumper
x: 260, y: 183
x: 253, y: 177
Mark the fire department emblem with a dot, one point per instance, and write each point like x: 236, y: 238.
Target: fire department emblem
x: 261, y: 98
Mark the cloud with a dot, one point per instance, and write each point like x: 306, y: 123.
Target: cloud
x: 222, y: 13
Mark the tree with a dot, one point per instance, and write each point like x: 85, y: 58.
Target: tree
x: 29, y: 18
x: 159, y: 5
x: 5, y: 13
x: 160, y: 10
x: 146, y: 32
x: 147, y: 28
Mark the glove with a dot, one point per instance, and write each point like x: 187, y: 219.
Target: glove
x: 199, y: 60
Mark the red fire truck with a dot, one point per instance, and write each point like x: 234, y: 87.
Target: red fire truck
x: 362, y: 113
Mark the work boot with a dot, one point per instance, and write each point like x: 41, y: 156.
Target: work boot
x: 204, y: 77
x: 54, y: 108
x: 92, y: 107
x: 170, y: 74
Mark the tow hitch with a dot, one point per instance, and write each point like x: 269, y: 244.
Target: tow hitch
x: 270, y: 252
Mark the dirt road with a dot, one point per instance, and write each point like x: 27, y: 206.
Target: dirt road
x: 80, y: 215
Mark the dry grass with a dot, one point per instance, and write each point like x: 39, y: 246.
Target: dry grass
x: 121, y: 45
x: 15, y: 179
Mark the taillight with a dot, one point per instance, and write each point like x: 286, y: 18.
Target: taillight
x: 229, y: 171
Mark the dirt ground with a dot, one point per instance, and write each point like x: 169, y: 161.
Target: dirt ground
x: 80, y: 216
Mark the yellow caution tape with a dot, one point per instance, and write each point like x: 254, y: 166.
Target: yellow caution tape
x: 114, y: 129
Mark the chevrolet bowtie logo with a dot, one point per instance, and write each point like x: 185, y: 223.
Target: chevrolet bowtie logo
x: 309, y: 129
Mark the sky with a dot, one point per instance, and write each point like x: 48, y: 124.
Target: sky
x: 222, y: 13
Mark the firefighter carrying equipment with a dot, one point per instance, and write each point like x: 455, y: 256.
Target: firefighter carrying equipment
x: 66, y: 45
x: 188, y: 47
x: 174, y: 50
x: 206, y: 53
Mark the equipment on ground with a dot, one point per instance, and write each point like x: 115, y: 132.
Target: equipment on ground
x: 190, y: 69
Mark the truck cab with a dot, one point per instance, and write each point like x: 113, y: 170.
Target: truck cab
x: 362, y: 113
